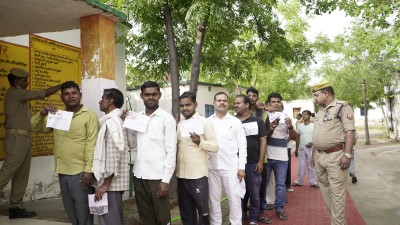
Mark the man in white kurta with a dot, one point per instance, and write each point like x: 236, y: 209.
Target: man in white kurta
x: 226, y: 167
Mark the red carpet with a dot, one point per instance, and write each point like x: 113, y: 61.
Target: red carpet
x: 306, y: 206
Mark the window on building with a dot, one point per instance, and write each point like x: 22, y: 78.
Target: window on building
x: 209, y: 110
x: 295, y: 112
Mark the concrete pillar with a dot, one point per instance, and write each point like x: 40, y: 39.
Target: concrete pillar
x: 98, y: 47
x: 98, y: 58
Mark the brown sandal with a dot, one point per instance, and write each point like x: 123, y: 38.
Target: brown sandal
x: 264, y: 219
x: 282, y: 215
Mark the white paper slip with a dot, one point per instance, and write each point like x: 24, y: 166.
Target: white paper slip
x: 250, y: 128
x: 100, y: 207
x: 137, y: 122
x: 191, y: 126
x: 240, y: 189
x: 277, y: 115
x: 60, y: 120
x: 273, y: 116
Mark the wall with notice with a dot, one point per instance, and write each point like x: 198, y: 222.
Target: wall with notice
x: 54, y: 58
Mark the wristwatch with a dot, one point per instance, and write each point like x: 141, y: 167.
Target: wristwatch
x: 348, y: 155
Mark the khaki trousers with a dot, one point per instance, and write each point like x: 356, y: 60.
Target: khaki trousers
x: 16, y: 167
x: 332, y: 181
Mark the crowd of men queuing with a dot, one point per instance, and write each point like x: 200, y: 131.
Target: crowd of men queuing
x: 247, y: 150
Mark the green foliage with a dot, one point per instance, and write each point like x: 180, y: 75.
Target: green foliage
x: 244, y: 43
x: 366, y: 53
x: 376, y: 13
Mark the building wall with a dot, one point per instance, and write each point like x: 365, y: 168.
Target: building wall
x: 43, y: 182
x: 375, y: 115
x: 205, y: 96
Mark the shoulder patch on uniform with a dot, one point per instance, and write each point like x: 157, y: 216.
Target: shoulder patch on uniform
x: 350, y: 116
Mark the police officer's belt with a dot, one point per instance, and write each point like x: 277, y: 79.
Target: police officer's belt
x: 330, y: 150
x: 18, y: 131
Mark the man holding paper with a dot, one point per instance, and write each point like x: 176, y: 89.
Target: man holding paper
x: 279, y: 131
x: 73, y: 152
x: 154, y: 158
x: 227, y: 166
x: 255, y: 132
x: 18, y: 140
x: 195, y: 139
x: 111, y: 157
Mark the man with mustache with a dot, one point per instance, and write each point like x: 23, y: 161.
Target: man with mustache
x: 192, y: 166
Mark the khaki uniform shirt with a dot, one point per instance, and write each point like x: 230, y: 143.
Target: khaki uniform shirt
x: 192, y: 158
x: 16, y: 107
x: 330, y: 131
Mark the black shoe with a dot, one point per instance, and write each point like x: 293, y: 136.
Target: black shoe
x: 354, y: 180
x: 20, y: 213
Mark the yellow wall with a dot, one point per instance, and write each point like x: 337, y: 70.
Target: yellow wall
x: 49, y: 63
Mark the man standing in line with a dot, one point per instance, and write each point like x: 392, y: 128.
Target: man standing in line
x: 111, y: 157
x: 256, y: 145
x: 227, y: 167
x: 73, y: 153
x: 18, y: 140
x: 257, y: 107
x: 304, y: 151
x: 154, y: 159
x: 333, y: 140
x: 192, y: 165
x: 279, y: 132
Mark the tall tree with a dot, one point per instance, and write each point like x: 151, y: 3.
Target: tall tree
x: 365, y: 54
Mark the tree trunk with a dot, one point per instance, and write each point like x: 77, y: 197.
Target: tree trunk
x: 197, y: 57
x: 174, y: 70
x: 385, y: 119
x: 367, y: 139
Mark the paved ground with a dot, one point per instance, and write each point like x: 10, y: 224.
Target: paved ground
x: 377, y: 192
x: 376, y: 195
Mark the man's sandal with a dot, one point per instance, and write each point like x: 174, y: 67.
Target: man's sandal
x: 264, y: 219
x: 270, y: 207
x: 282, y: 215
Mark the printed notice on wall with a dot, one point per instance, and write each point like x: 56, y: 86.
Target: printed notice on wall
x: 52, y: 63
x: 11, y: 56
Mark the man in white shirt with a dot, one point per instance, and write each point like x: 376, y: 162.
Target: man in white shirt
x: 196, y: 139
x: 279, y: 131
x: 304, y: 151
x: 155, y: 159
x: 227, y: 167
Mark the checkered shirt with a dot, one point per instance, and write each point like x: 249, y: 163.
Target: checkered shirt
x: 117, y: 163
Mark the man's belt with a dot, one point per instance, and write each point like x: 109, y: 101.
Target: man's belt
x: 330, y: 150
x: 18, y: 131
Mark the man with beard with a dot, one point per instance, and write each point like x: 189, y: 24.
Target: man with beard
x: 227, y: 166
x: 256, y: 140
x: 154, y: 159
x: 73, y: 153
x: 195, y: 139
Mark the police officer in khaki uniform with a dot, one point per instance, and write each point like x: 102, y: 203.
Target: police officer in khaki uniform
x: 333, y: 139
x: 17, y: 140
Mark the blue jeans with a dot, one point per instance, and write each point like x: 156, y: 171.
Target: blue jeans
x: 253, y: 183
x: 280, y: 169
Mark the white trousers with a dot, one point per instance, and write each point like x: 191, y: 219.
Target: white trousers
x: 229, y: 179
